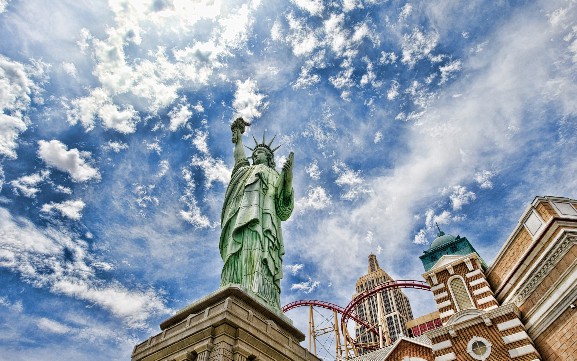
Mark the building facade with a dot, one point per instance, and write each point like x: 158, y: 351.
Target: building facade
x: 394, y: 306
x: 522, y: 307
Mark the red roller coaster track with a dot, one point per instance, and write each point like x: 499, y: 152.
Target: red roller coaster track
x: 348, y: 312
x: 328, y: 306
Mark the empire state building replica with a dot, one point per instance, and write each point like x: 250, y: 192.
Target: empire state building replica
x: 392, y: 305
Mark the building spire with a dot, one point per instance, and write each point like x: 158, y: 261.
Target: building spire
x: 441, y: 233
x: 373, y: 263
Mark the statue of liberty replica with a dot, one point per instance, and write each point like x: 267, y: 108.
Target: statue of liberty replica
x: 242, y: 320
x: 257, y: 199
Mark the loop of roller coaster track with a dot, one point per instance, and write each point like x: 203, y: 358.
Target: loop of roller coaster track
x: 348, y: 312
x: 327, y: 306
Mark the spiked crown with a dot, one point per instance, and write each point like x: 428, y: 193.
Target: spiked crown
x: 266, y: 147
x: 263, y: 145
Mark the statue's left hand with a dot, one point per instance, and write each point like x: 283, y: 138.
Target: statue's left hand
x: 287, y: 170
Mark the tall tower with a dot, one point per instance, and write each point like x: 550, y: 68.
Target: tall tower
x: 395, y: 306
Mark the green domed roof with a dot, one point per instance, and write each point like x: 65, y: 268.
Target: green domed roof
x: 442, y: 240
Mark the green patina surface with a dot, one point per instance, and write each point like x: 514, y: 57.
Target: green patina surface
x: 446, y: 244
x: 257, y: 199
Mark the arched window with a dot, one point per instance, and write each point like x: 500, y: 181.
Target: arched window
x: 460, y: 294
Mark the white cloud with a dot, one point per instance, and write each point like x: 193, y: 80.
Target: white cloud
x: 313, y: 170
x: 350, y: 180
x: 144, y: 195
x: 70, y: 69
x: 16, y: 88
x: 393, y: 91
x: 306, y: 286
x: 387, y: 58
x: 484, y: 179
x: 418, y: 45
x: 116, y: 147
x: 163, y: 168
x: 99, y: 105
x: 306, y: 78
x: 314, y: 7
x: 28, y: 185
x: 448, y: 70
x: 405, y: 12
x: 133, y: 306
x: 199, y: 141
x: 36, y: 254
x: 56, y: 154
x: 10, y: 129
x: 378, y: 137
x: 316, y: 198
x: 294, y: 268
x: 213, y: 169
x: 123, y: 121
x: 192, y: 213
x: 52, y: 326
x: 421, y: 237
x: 179, y: 116
x: 3, y: 5
x: 71, y: 209
x: 14, y: 306
x: 302, y: 38
x: 460, y: 197
x: 248, y: 102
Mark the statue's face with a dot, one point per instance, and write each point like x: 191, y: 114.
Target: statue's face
x: 259, y: 157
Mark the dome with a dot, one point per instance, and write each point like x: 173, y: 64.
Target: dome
x: 442, y: 240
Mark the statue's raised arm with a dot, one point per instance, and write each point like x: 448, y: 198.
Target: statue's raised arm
x: 237, y: 127
x: 257, y: 199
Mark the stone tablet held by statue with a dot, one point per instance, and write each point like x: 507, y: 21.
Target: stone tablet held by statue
x: 257, y: 199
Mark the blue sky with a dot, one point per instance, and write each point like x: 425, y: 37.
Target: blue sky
x: 115, y: 146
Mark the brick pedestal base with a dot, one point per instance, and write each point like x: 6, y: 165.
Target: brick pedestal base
x: 227, y: 325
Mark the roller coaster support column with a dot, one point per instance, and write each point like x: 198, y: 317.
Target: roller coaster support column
x: 312, y: 332
x: 338, y: 352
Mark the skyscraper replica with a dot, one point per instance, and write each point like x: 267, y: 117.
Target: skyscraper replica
x: 522, y: 307
x: 390, y: 307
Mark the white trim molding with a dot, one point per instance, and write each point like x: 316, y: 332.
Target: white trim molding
x: 447, y: 314
x: 522, y: 335
x: 437, y: 287
x: 509, y: 324
x: 441, y: 295
x: 442, y: 345
x: 478, y: 281
x: 481, y: 290
x: 473, y: 274
x: 521, y: 351
x: 482, y: 301
x: 446, y: 357
x: 446, y: 303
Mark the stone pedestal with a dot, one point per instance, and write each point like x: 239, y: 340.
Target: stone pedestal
x: 227, y: 325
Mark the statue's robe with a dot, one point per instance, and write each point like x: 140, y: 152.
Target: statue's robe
x: 251, y: 243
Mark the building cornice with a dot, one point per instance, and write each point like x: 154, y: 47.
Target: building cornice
x: 542, y: 269
x: 436, y: 269
x: 549, y: 229
x: 455, y: 325
x: 520, y: 225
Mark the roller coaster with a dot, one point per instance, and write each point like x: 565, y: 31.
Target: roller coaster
x: 351, y: 346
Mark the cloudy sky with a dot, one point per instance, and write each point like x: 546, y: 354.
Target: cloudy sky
x: 115, y: 146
